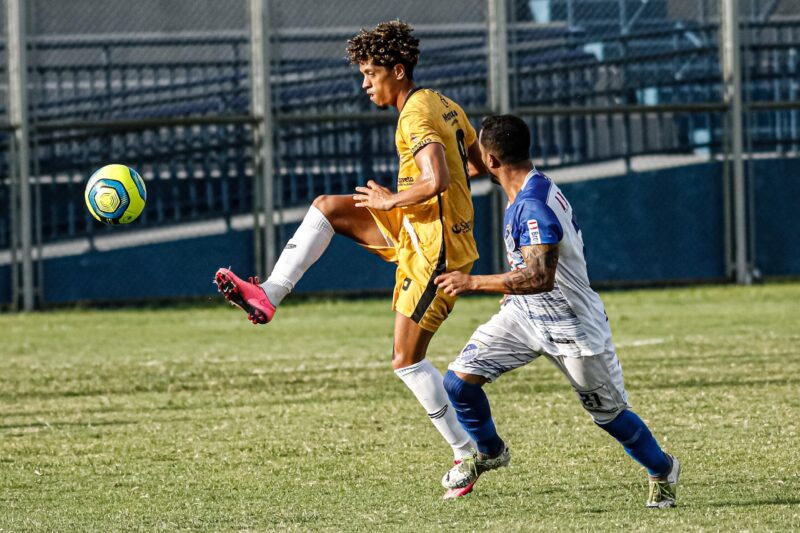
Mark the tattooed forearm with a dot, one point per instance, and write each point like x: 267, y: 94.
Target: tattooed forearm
x: 539, y: 274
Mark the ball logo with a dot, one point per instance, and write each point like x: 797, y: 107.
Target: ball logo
x: 469, y: 353
x: 107, y: 199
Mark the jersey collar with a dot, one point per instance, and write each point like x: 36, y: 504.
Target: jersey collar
x: 408, y: 97
x: 528, y: 178
x: 524, y: 183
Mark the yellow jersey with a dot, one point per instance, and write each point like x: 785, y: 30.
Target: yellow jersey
x: 429, y: 117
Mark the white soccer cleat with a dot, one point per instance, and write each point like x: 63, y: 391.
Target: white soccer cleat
x: 460, y: 479
x: 664, y: 492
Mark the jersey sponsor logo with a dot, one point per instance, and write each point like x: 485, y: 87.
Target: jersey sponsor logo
x: 405, y: 181
x: 462, y: 227
x: 449, y: 115
x: 533, y: 232
x: 420, y: 145
x: 469, y: 353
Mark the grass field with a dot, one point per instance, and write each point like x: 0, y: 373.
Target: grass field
x: 192, y: 418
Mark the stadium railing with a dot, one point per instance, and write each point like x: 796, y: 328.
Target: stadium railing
x: 656, y: 91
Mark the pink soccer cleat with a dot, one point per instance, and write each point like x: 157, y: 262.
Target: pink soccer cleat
x: 246, y: 295
x: 457, y: 493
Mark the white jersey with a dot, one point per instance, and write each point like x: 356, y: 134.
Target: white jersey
x: 570, y: 319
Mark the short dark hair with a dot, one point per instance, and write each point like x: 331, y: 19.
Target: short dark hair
x: 388, y: 44
x: 507, y: 137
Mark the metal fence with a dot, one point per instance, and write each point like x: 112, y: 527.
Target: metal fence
x: 175, y: 89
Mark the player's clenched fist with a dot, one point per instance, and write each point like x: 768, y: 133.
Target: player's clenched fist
x: 374, y: 196
x: 454, y: 283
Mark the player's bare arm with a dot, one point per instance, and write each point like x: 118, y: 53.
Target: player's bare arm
x: 474, y: 161
x: 538, y: 275
x: 434, y: 179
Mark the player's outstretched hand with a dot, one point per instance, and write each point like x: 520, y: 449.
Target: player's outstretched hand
x: 454, y: 283
x: 374, y: 196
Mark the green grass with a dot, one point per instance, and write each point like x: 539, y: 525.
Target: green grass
x: 191, y: 418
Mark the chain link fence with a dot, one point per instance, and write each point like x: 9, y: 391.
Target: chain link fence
x: 160, y: 86
x: 625, y: 100
x: 632, y: 89
x: 330, y: 137
x: 7, y: 243
x: 771, y: 64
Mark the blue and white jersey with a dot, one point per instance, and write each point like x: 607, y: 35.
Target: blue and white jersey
x: 570, y: 319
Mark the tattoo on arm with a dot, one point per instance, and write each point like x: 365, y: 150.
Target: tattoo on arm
x: 539, y: 274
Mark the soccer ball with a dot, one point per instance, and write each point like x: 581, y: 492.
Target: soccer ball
x: 115, y: 194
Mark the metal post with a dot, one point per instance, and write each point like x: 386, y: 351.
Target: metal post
x: 260, y: 57
x: 18, y: 117
x: 500, y: 102
x: 499, y: 98
x: 732, y: 81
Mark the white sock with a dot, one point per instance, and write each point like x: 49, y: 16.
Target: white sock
x: 426, y: 382
x: 302, y: 251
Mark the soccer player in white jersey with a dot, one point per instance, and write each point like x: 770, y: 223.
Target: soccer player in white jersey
x: 550, y: 310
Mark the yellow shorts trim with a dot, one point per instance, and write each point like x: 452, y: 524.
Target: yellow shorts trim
x: 425, y: 304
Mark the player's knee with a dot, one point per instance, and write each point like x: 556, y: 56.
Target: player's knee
x: 462, y: 387
x: 453, y: 385
x: 606, y: 414
x: 601, y: 404
x: 604, y: 418
x: 325, y: 204
x: 402, y: 359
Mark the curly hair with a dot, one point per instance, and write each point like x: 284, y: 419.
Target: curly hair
x: 389, y: 44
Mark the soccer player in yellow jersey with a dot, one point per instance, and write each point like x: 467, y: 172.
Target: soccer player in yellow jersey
x: 425, y: 227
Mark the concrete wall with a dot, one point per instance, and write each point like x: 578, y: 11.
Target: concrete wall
x: 651, y: 227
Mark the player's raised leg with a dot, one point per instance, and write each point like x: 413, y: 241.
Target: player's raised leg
x: 326, y: 216
x: 426, y: 382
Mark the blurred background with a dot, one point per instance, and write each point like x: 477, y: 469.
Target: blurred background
x: 671, y: 125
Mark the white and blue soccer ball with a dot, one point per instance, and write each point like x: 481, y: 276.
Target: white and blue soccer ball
x: 115, y: 194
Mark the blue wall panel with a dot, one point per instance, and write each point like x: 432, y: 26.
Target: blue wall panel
x: 181, y: 268
x: 664, y: 225
x: 345, y: 266
x: 5, y: 285
x: 484, y: 234
x: 652, y: 226
x: 777, y: 216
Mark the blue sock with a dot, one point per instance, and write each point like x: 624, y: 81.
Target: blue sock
x: 640, y: 444
x: 473, y: 412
